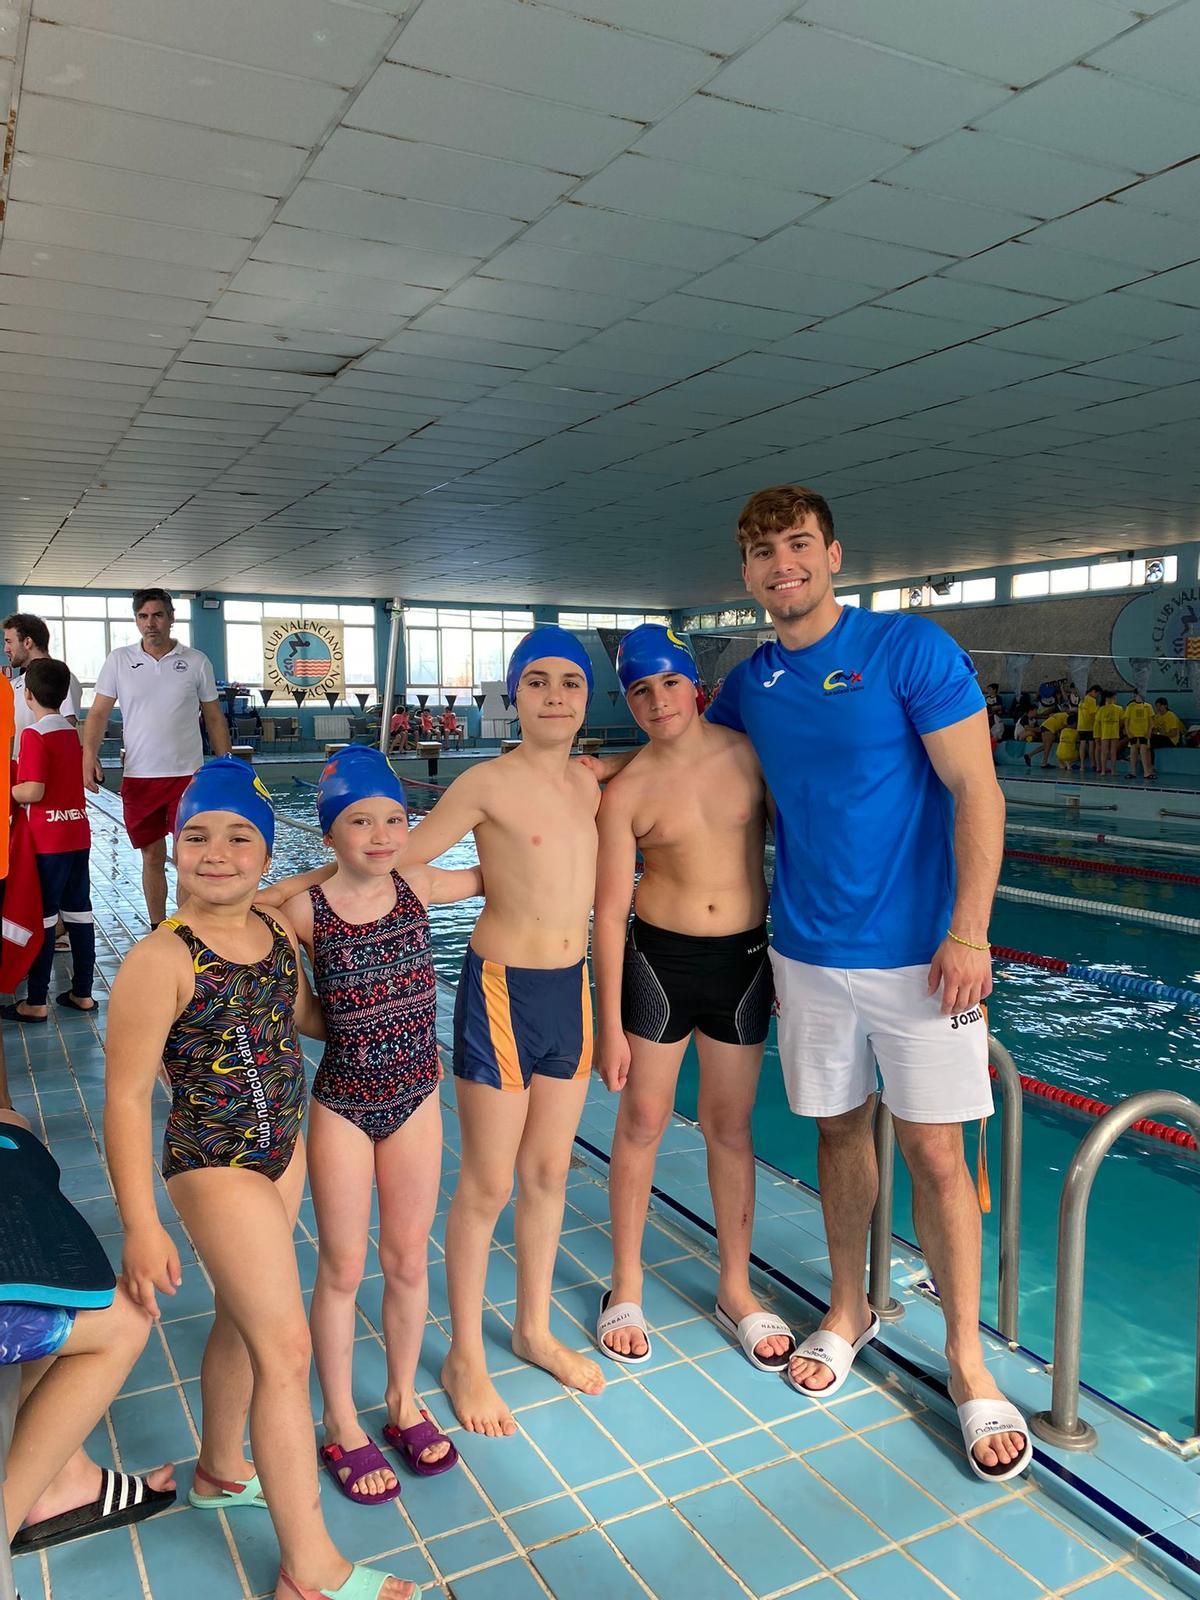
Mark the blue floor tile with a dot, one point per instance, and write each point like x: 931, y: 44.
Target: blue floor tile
x: 477, y: 1547
x: 509, y: 1471
x: 639, y: 1424
x: 823, y: 1522
x: 752, y: 1450
x: 619, y: 1496
x: 152, y: 1428
x: 891, y: 1576
x: 1044, y: 1548
x: 510, y: 1580
x: 103, y: 1567
x: 565, y: 1434
x: 764, y: 1557
x: 1113, y: 1586
x: 867, y: 1480
x: 685, y: 1473
x: 27, y: 1573
x: 961, y: 1560
x: 586, y: 1564
x: 687, y: 1393
x: 551, y: 1520
x: 666, y: 1554
x: 193, y: 1542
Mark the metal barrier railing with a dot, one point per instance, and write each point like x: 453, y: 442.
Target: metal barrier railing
x: 1061, y: 1425
x: 879, y: 1278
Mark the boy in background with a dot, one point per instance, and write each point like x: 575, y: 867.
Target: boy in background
x: 1110, y: 719
x: 50, y: 783
x: 1168, y: 728
x: 1139, y: 723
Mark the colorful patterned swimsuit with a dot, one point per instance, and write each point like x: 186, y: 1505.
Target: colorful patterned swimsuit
x: 377, y: 989
x: 233, y: 1058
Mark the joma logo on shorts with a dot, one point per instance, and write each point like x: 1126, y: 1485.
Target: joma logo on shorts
x: 963, y: 1018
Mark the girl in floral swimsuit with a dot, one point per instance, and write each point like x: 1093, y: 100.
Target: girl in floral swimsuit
x: 375, y: 1115
x: 214, y: 994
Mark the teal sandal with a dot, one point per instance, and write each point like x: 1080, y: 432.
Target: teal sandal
x: 364, y: 1583
x: 225, y: 1495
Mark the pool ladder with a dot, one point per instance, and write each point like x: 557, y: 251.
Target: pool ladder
x: 1061, y: 1425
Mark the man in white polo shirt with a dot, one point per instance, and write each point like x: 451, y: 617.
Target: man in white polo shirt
x: 163, y: 688
x: 26, y: 639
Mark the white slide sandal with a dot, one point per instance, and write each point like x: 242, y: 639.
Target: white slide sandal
x: 752, y: 1330
x: 627, y: 1314
x: 832, y: 1351
x: 982, y: 1419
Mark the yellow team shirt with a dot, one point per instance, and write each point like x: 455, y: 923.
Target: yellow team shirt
x: 1056, y: 723
x: 1108, y: 722
x: 1068, y: 747
x: 1139, y: 719
x: 1169, y: 725
x: 1087, y: 713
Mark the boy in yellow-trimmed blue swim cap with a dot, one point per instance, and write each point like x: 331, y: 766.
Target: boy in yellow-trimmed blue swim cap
x: 693, y: 961
x: 522, y: 1020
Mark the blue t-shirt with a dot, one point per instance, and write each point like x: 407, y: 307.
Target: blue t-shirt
x: 864, y: 865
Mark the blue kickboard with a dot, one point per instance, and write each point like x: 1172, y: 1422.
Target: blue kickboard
x: 48, y: 1254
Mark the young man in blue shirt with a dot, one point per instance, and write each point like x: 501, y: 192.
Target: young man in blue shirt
x: 887, y: 854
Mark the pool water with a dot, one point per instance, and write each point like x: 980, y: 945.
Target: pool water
x: 1144, y: 1221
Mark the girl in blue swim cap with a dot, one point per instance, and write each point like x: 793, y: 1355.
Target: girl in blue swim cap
x: 215, y: 994
x: 375, y: 1117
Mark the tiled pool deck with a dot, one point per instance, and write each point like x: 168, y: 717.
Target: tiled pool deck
x: 694, y: 1478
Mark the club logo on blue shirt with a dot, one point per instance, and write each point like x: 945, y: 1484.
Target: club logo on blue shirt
x: 769, y: 683
x: 842, y: 682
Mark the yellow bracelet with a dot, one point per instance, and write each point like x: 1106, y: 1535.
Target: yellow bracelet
x: 950, y: 934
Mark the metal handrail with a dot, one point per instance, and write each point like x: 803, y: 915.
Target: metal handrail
x: 879, y: 1282
x: 1061, y: 1425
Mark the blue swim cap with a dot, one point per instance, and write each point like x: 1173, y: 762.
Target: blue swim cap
x: 541, y: 645
x: 228, y: 784
x: 356, y: 773
x: 650, y: 649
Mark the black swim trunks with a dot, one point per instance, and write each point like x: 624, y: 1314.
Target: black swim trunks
x: 675, y: 982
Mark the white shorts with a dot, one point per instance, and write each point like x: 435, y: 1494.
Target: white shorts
x: 836, y: 1023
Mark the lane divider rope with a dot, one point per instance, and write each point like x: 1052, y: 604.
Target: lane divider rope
x: 1099, y: 908
x: 1179, y: 1137
x: 1170, y: 846
x: 1119, y: 982
x: 1119, y: 868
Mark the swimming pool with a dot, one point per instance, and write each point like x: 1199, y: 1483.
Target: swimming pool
x: 1144, y: 1218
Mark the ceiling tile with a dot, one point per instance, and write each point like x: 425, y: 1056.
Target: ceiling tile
x: 331, y: 42
x: 1091, y: 114
x: 120, y: 236
x: 335, y: 208
x: 138, y: 143
x: 710, y: 24
x: 525, y: 48
x: 837, y: 255
x: 975, y: 166
x: 104, y: 70
x: 448, y: 177
x: 769, y: 146
x: 576, y: 227
x: 1045, y: 271
x: 1163, y: 51
x: 578, y: 269
x: 331, y: 288
x: 1016, y: 40
x: 924, y: 221
x: 83, y: 186
x: 108, y: 271
x: 648, y: 187
x: 1122, y: 233
x: 853, y: 85
x: 412, y: 104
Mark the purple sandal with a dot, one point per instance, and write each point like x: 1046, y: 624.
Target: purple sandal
x: 411, y: 1442
x: 367, y: 1458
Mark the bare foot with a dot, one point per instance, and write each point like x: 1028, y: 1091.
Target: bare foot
x: 626, y: 1341
x: 407, y: 1413
x: 352, y: 1437
x: 573, y: 1370
x: 739, y: 1303
x: 815, y: 1375
x: 473, y: 1395
x: 1001, y: 1449
x: 78, y: 1484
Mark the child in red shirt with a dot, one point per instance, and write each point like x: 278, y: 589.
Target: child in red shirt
x: 50, y: 783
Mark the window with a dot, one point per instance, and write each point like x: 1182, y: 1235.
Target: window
x: 1068, y: 580
x: 610, y: 619
x: 1112, y: 575
x: 720, y: 621
x: 849, y: 600
x: 85, y: 627
x: 452, y: 651
x: 885, y: 600
x: 1029, y: 585
x: 244, y: 649
x: 977, y: 589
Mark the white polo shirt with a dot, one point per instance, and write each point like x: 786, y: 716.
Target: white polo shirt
x: 160, y: 707
x: 71, y: 706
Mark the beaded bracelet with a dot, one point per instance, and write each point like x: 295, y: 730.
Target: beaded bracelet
x: 950, y: 934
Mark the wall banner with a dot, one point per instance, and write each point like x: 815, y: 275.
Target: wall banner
x: 303, y: 655
x: 1159, y: 623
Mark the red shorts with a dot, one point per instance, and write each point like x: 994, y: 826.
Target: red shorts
x: 149, y: 807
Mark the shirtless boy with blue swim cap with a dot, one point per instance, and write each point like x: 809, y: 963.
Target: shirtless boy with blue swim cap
x: 522, y: 1018
x: 694, y: 960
